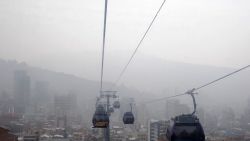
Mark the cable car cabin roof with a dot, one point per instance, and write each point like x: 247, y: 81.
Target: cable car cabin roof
x: 100, y: 110
x: 186, y: 119
x: 100, y: 107
x: 111, y: 110
x: 116, y: 104
x: 128, y: 114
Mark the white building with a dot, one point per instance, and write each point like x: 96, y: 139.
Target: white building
x: 157, y: 129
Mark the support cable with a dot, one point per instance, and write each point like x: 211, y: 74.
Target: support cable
x: 190, y: 92
x: 202, y: 86
x: 138, y: 45
x: 103, y: 43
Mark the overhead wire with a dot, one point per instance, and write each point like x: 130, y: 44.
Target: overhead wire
x: 138, y: 45
x: 164, y: 98
x: 207, y: 84
x: 103, y: 43
x: 198, y: 88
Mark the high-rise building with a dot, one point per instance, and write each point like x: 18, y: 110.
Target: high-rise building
x: 65, y: 107
x: 6, y: 104
x: 157, y: 129
x: 42, y: 92
x: 21, y: 91
x: 141, y: 136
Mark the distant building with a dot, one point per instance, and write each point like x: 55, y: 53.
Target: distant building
x: 6, y: 103
x: 31, y: 138
x: 65, y: 109
x: 6, y: 119
x: 117, y: 133
x: 42, y: 92
x: 157, y: 129
x: 5, y: 135
x: 141, y: 136
x: 21, y: 91
x: 6, y: 109
x: 77, y: 136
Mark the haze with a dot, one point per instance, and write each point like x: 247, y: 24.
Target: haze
x: 66, y: 35
x: 50, y: 62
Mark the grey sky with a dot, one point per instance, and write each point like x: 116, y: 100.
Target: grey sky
x: 60, y: 34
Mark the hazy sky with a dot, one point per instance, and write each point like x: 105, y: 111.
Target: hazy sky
x: 66, y: 35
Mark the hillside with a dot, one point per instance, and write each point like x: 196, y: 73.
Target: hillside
x: 147, y: 78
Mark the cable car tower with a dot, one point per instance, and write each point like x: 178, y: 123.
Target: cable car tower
x: 108, y: 95
x: 101, y: 119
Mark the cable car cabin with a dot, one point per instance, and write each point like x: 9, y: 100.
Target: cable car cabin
x: 100, y: 118
x: 185, y: 128
x: 128, y: 118
x: 116, y: 104
x: 111, y: 110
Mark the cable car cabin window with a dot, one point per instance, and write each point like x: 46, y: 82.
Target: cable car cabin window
x: 100, y: 121
x: 101, y: 124
x: 188, y: 132
x: 186, y: 119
